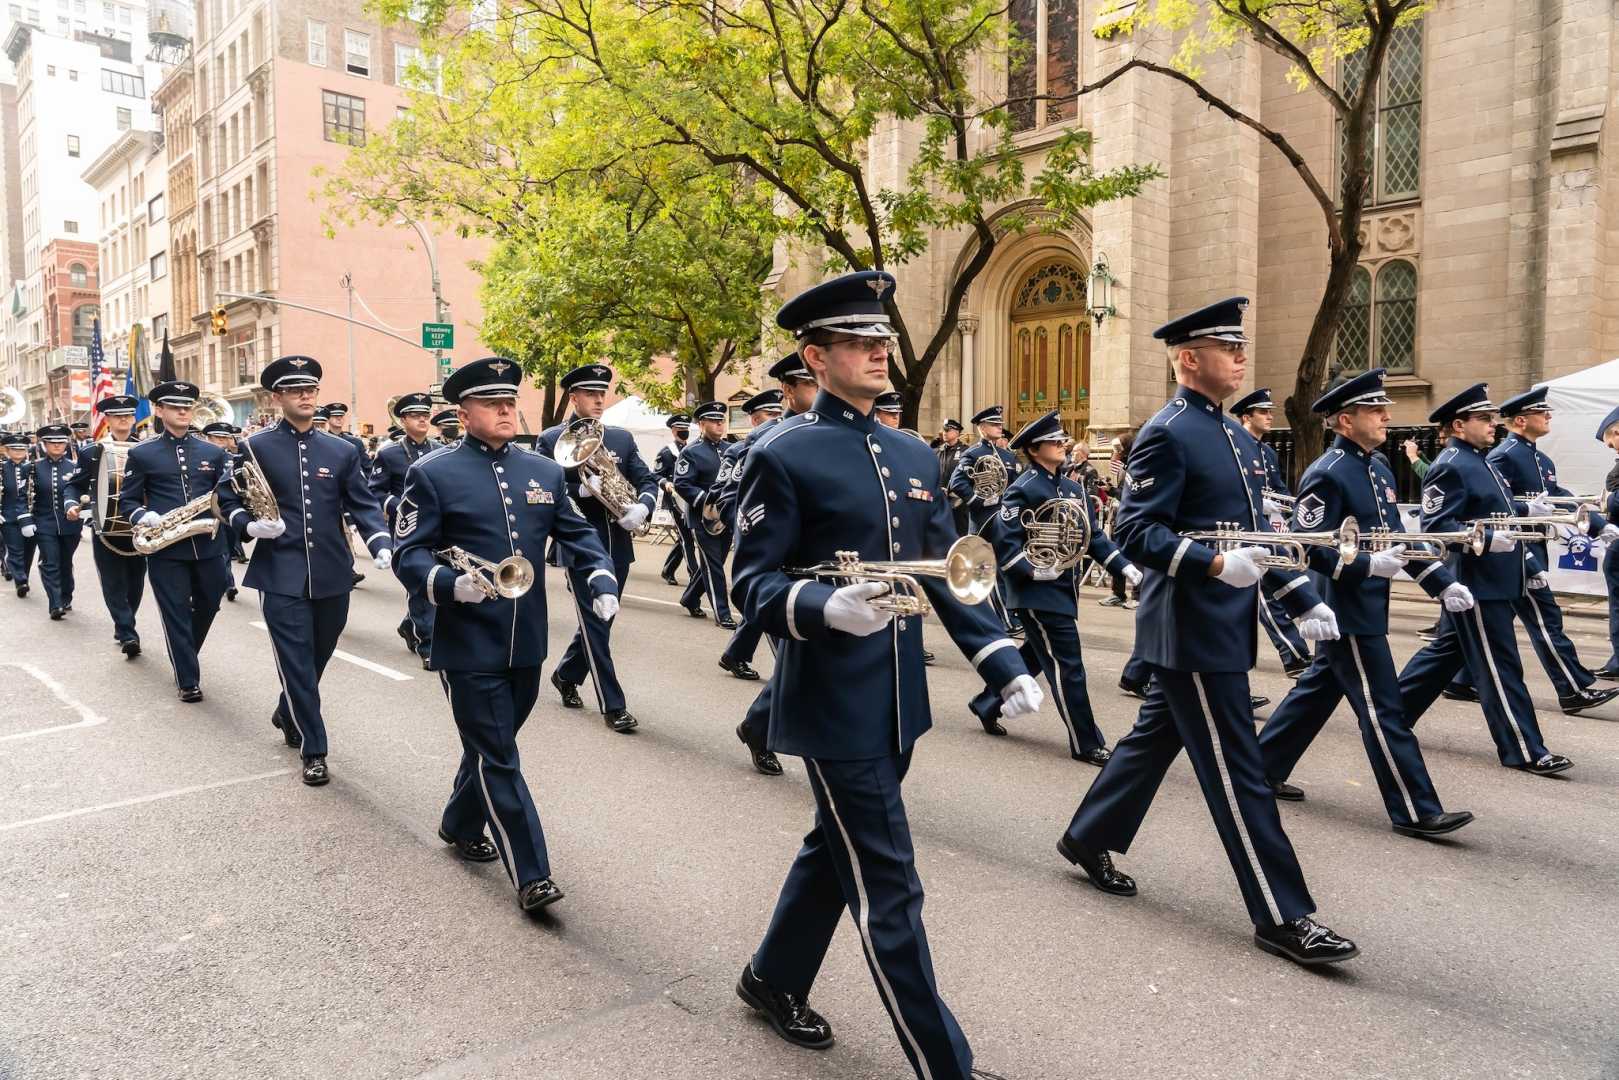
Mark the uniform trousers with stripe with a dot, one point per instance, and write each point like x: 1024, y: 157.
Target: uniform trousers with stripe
x: 123, y: 586
x: 489, y: 709
x: 1051, y: 645
x: 56, y: 566
x: 680, y: 551
x: 1610, y: 575
x: 19, y: 551
x: 708, y: 573
x: 1483, y: 640
x: 1361, y: 669
x: 1208, y: 714
x: 756, y: 724
x: 590, y: 653
x: 858, y: 858
x: 1542, y: 620
x: 744, y: 642
x: 1279, y: 627
x: 1136, y: 671
x: 419, y: 621
x: 187, y: 592
x: 303, y: 634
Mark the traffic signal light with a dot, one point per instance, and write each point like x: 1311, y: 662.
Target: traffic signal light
x: 218, y: 319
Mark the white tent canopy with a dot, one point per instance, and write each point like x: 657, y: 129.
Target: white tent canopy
x: 1579, y: 402
x: 647, y: 424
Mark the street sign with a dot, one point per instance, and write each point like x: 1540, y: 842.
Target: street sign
x: 443, y: 369
x: 438, y: 335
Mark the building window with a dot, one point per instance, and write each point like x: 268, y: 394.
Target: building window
x: 72, y: 146
x: 1380, y: 320
x: 124, y: 118
x: 1394, y: 150
x: 117, y: 82
x: 154, y: 207
x: 415, y: 70
x: 357, y: 53
x: 160, y: 265
x: 72, y: 75
x: 50, y: 70
x: 317, y: 42
x: 84, y: 319
x: 343, y: 118
x: 1045, y: 62
x: 78, y: 275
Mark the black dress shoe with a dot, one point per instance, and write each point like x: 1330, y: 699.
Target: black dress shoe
x: 1293, y: 671
x: 57, y: 613
x: 405, y: 632
x: 427, y: 663
x: 1257, y: 701
x: 789, y: 1014
x: 131, y: 648
x: 1435, y: 824
x: 1428, y: 633
x: 315, y: 771
x: 1550, y: 765
x: 1460, y: 693
x: 190, y: 694
x: 569, y: 692
x: 1305, y: 941
x: 726, y: 623
x: 1588, y: 699
x: 1287, y: 792
x: 230, y: 594
x: 1098, y: 757
x: 358, y: 577
x: 669, y: 579
x: 538, y: 894
x: 289, y: 730
x: 620, y: 720
x: 740, y: 668
x: 1135, y: 690
x: 1098, y: 866
x: 479, y: 850
x: 927, y: 657
x: 22, y: 591
x: 763, y: 760
x: 1606, y: 673
x: 992, y: 723
x: 67, y: 607
x: 697, y: 613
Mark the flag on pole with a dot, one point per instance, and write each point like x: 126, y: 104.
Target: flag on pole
x: 165, y: 361
x: 143, y: 408
x: 100, y: 381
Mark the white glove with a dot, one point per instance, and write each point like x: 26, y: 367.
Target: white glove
x: 467, y: 591
x: 383, y: 559
x: 28, y: 531
x: 1385, y: 564
x: 1021, y: 697
x: 147, y: 517
x: 1539, y: 581
x: 266, y: 530
x: 1318, y: 624
x: 1457, y: 598
x: 1132, y: 576
x: 1240, y: 571
x: 1046, y: 573
x: 605, y: 606
x: 1542, y: 506
x: 1609, y: 534
x: 591, y: 485
x: 634, y: 517
x: 1500, y: 542
x: 849, y: 609
x: 1271, y: 506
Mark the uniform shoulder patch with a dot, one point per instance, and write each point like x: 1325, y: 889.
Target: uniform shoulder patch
x: 1311, y: 510
x: 1433, y: 497
x: 406, y: 519
x: 1136, y: 483
x: 682, y: 467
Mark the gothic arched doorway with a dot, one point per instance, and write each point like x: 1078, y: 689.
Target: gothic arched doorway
x: 1051, y: 347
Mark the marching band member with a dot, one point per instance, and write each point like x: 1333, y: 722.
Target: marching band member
x: 1608, y: 435
x: 388, y: 485
x: 52, y: 521
x: 763, y: 409
x: 337, y: 423
x: 1256, y: 412
x: 1461, y: 488
x: 448, y: 423
x: 950, y: 451
x: 1196, y: 627
x: 14, y: 500
x: 697, y: 474
x: 495, y: 501
x: 188, y: 576
x: 1351, y: 480
x: 590, y: 651
x: 302, y: 563
x: 223, y: 435
x: 81, y: 437
x: 852, y: 693
x: 122, y: 574
x: 1047, y: 600
x: 887, y: 408
x: 990, y: 423
x: 679, y: 425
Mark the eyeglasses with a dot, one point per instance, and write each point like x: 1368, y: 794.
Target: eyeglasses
x: 300, y: 391
x: 868, y: 345
x: 1230, y: 348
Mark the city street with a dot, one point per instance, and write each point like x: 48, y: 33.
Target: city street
x: 174, y: 903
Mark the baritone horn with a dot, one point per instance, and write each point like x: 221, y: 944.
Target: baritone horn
x: 1056, y: 534
x: 968, y: 570
x: 253, y: 487
x: 1285, y: 551
x: 583, y: 446
x: 508, y: 579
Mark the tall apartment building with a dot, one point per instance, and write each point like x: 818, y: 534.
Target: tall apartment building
x: 120, y: 20
x: 130, y: 180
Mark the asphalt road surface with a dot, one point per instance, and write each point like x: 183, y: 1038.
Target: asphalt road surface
x: 174, y: 903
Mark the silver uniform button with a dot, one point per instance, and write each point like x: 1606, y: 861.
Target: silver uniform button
x: 892, y: 497
x: 896, y: 522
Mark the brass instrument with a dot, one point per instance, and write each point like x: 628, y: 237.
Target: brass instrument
x: 509, y: 578
x: 968, y: 570
x: 1291, y: 556
x: 988, y: 476
x: 250, y: 483
x: 584, y: 447
x: 181, y: 523
x: 1284, y: 501
x: 1056, y: 534
x: 1424, y: 547
x: 1537, y: 528
x: 713, y: 524
x: 1574, y: 502
x: 112, y: 531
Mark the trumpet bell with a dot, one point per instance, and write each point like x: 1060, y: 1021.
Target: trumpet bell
x: 969, y: 569
x: 513, y: 577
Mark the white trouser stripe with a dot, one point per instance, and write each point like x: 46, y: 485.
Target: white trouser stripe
x: 1548, y: 644
x: 1377, y: 727
x: 1218, y: 747
x: 489, y: 804
x: 1495, y: 677
x: 584, y: 641
x: 1031, y: 623
x: 863, y: 923
x: 292, y: 713
x: 1265, y: 613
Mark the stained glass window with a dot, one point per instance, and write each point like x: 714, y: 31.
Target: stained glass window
x: 1355, y: 327
x: 1053, y: 73
x: 1394, y: 149
x: 1396, y: 317
x: 1053, y: 284
x: 1023, y: 81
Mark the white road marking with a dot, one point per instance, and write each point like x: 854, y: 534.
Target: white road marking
x: 88, y: 717
x: 357, y: 661
x: 174, y: 793
x: 652, y: 600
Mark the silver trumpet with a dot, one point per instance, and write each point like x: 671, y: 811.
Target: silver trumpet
x: 1573, y: 502
x: 1285, y: 551
x: 968, y: 570
x: 509, y: 578
x: 1056, y: 534
x: 584, y: 447
x: 1537, y: 528
x: 1424, y: 547
x: 1284, y: 501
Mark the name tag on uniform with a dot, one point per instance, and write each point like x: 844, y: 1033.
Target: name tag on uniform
x: 324, y: 472
x: 205, y: 466
x: 920, y: 495
x: 540, y: 498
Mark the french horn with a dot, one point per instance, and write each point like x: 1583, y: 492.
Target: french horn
x: 1056, y: 534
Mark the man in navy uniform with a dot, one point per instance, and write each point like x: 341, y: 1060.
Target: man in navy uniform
x: 1608, y: 435
x: 763, y: 409
x: 122, y: 572
x: 1197, y: 629
x: 448, y: 424
x: 698, y: 474
x: 1257, y: 414
x: 590, y: 652
x: 52, y: 522
x: 852, y: 693
x: 302, y: 564
x: 888, y: 407
x: 1352, y: 480
x: 1046, y: 600
x: 81, y: 438
x: 1460, y: 488
x: 14, y: 500
x: 495, y: 500
x: 319, y: 420
x: 991, y: 425
x: 950, y: 450
x: 388, y: 485
x: 337, y: 423
x: 188, y: 577
x: 223, y: 435
x: 663, y: 468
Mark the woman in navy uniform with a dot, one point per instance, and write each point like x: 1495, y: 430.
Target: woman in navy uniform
x: 851, y: 694
x: 1461, y: 488
x: 52, y: 521
x: 495, y: 500
x: 223, y: 435
x: 663, y: 468
x: 388, y: 484
x: 1197, y: 629
x: 1047, y: 600
x: 1608, y: 435
x: 14, y: 499
x: 122, y: 573
x: 1351, y: 480
x: 302, y: 563
x: 764, y: 410
x: 189, y: 577
x: 1256, y: 411
x: 591, y: 651
x: 698, y: 475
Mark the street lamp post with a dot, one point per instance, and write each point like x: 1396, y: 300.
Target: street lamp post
x: 441, y: 310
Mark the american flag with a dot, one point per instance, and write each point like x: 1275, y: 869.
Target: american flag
x: 100, y: 381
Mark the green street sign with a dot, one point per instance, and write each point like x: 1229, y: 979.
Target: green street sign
x: 438, y: 335
x: 443, y: 369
